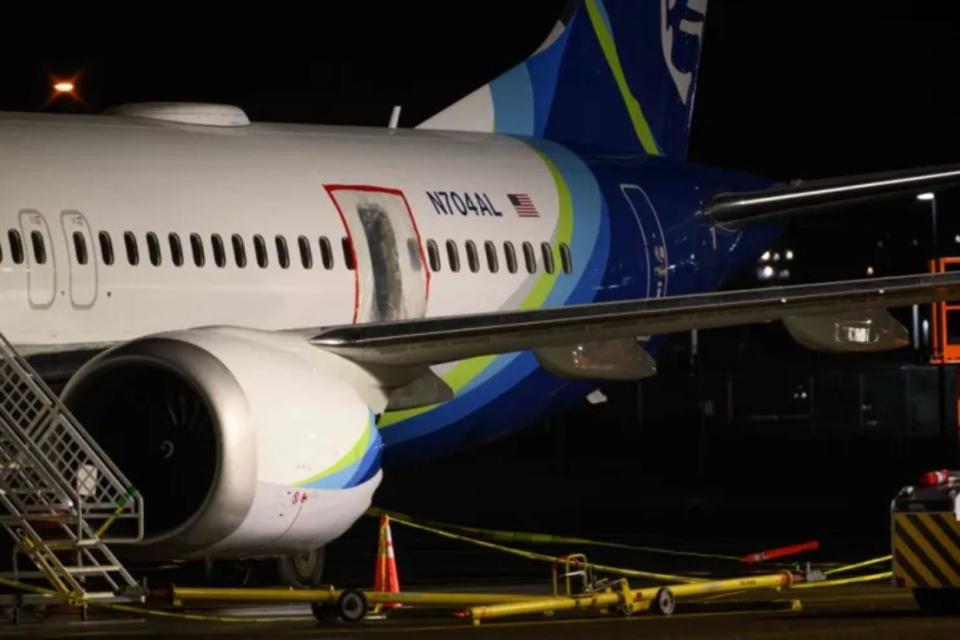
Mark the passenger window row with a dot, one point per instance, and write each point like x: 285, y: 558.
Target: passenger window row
x: 304, y: 247
x: 492, y: 256
x: 17, y: 247
x: 177, y: 253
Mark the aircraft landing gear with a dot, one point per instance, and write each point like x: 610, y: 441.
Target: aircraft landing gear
x: 302, y: 570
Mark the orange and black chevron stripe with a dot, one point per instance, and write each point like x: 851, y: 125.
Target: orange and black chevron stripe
x: 926, y: 549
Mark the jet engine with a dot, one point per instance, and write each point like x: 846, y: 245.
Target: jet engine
x: 242, y: 443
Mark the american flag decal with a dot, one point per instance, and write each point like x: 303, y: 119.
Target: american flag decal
x: 523, y: 205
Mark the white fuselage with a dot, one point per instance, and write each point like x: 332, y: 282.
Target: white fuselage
x: 113, y: 228
x: 88, y: 175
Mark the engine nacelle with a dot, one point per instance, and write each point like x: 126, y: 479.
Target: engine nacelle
x: 240, y: 442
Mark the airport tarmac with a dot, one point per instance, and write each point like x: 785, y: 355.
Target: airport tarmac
x: 865, y: 611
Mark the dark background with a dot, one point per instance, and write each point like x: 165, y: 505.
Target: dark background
x: 788, y: 89
x: 717, y: 448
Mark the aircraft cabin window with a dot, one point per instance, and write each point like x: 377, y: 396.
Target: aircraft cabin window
x: 283, y: 255
x: 306, y: 253
x: 473, y: 260
x: 133, y: 251
x: 153, y: 248
x: 326, y: 253
x: 39, y: 247
x: 348, y: 255
x: 511, y: 256
x: 196, y: 248
x: 453, y: 256
x: 493, y: 264
x: 219, y: 254
x: 260, y: 248
x: 547, y: 257
x: 239, y: 250
x: 566, y: 259
x: 80, y: 247
x: 176, y: 250
x: 433, y: 255
x: 106, y: 248
x: 529, y: 257
x: 16, y: 246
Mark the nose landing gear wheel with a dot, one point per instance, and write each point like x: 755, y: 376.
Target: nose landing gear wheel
x: 302, y: 570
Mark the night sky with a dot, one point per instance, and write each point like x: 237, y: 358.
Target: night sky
x: 787, y: 89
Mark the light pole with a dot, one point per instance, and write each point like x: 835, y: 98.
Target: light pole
x: 931, y: 197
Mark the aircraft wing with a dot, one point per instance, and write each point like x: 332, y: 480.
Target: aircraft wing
x: 734, y: 210
x: 434, y: 340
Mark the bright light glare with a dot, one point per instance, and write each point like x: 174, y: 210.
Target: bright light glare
x: 765, y: 257
x: 63, y: 87
x: 869, y: 271
x: 789, y: 254
x: 927, y: 196
x: 766, y: 273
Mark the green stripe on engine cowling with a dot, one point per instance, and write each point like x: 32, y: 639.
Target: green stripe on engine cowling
x: 460, y: 376
x: 351, y: 457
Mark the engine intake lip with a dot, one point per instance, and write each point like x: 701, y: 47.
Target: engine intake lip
x: 232, y: 488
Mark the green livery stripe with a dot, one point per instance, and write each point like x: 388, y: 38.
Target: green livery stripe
x: 460, y: 376
x: 609, y: 47
x: 563, y: 233
x: 457, y: 378
x: 350, y: 457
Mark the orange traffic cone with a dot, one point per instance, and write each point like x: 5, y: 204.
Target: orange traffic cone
x: 385, y: 577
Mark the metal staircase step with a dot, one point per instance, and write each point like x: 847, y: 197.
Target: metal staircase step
x: 62, y: 507
x: 66, y: 544
x: 75, y: 570
x: 68, y: 518
x: 102, y: 595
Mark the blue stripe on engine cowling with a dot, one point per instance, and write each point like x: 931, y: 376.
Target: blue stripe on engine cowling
x: 358, y: 472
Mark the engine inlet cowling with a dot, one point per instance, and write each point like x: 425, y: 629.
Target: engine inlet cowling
x: 240, y: 442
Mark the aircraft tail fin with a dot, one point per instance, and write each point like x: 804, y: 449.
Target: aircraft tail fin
x: 617, y: 75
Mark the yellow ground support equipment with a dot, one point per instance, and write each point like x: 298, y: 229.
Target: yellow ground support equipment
x: 350, y: 604
x: 620, y: 597
x: 925, y: 538
x: 574, y: 588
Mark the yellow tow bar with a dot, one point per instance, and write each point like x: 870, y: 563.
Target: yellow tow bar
x: 352, y: 604
x: 330, y: 595
x: 662, y: 599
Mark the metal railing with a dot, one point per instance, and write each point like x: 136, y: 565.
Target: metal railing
x: 62, y: 498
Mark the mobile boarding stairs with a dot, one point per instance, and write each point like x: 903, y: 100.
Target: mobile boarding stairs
x: 61, y: 498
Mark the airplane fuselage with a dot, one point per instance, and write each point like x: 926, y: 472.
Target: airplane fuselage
x: 113, y: 228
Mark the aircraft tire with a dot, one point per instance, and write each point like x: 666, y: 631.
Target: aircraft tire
x: 302, y: 570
